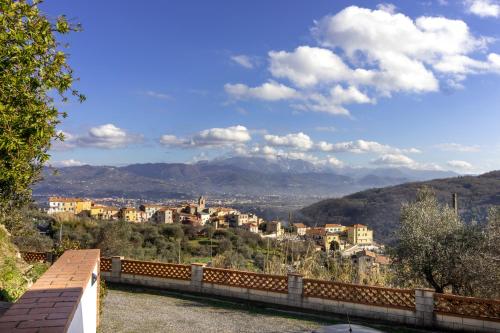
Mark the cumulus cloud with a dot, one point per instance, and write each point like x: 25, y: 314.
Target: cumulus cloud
x: 365, y: 54
x: 294, y: 140
x: 106, y: 136
x: 243, y: 60
x: 212, y: 137
x: 457, y: 147
x: 362, y: 146
x: 269, y: 91
x: 394, y: 160
x: 460, y: 165
x: 67, y: 163
x: 483, y: 8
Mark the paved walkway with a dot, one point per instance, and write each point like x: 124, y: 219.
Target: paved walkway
x: 145, y: 312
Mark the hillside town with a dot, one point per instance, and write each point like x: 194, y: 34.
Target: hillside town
x: 355, y: 241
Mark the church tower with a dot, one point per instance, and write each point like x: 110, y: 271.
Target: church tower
x: 201, y: 203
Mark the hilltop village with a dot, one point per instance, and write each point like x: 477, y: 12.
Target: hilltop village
x: 355, y: 241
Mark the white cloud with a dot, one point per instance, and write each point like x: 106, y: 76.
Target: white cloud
x: 483, y: 8
x: 212, y: 137
x: 243, y: 60
x: 395, y: 160
x: 362, y: 146
x: 269, y: 91
x: 294, y: 140
x: 106, y: 136
x: 158, y: 95
x: 460, y: 165
x: 334, y: 162
x: 366, y: 54
x: 457, y: 147
x: 387, y: 7
x: 67, y: 163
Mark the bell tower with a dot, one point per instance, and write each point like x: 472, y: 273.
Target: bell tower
x: 201, y: 203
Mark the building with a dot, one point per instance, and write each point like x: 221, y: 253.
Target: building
x: 150, y: 210
x: 164, y: 216
x: 201, y: 203
x: 141, y: 216
x: 68, y: 205
x: 317, y: 234
x: 128, y: 214
x: 110, y: 213
x: 359, y: 234
x: 334, y: 227
x: 301, y: 228
x: 274, y: 227
x: 252, y: 227
x: 204, y: 217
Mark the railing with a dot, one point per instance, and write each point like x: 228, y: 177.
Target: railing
x: 470, y: 307
x: 389, y: 297
x: 32, y: 257
x: 275, y: 283
x: 296, y: 291
x: 156, y: 269
x: 105, y: 264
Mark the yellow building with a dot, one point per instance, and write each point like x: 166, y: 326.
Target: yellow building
x: 331, y: 227
x: 96, y: 211
x: 82, y: 205
x: 110, y: 213
x: 359, y: 234
x: 68, y: 205
x: 128, y: 214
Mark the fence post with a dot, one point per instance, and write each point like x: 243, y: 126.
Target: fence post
x: 295, y: 288
x: 424, y: 307
x: 49, y: 257
x: 196, y: 276
x: 116, y: 268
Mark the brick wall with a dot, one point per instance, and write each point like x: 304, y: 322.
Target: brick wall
x: 64, y: 299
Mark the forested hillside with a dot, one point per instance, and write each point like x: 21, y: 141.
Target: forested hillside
x: 379, y: 208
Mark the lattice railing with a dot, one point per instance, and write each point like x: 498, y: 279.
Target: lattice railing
x: 157, y: 269
x: 345, y: 292
x: 105, y: 264
x: 481, y: 308
x: 275, y: 283
x: 31, y: 257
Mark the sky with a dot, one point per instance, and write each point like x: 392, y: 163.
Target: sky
x: 337, y: 83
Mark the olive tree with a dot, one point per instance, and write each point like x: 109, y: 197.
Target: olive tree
x: 34, y: 74
x: 436, y: 249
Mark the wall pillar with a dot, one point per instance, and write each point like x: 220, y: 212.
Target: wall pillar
x: 424, y: 307
x: 49, y: 257
x: 197, y: 276
x: 295, y: 288
x: 116, y: 268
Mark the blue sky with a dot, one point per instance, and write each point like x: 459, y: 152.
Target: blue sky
x: 338, y: 83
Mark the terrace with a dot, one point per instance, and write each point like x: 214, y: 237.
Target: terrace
x: 65, y: 300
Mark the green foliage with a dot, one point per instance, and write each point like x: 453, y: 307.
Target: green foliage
x: 32, y: 68
x: 436, y: 249
x: 12, y: 282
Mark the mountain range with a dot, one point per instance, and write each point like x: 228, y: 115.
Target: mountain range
x: 380, y: 208
x: 247, y: 176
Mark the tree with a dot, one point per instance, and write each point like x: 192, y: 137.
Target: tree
x: 436, y: 249
x: 33, y: 69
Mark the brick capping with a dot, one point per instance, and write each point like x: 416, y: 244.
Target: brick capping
x: 51, y: 302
